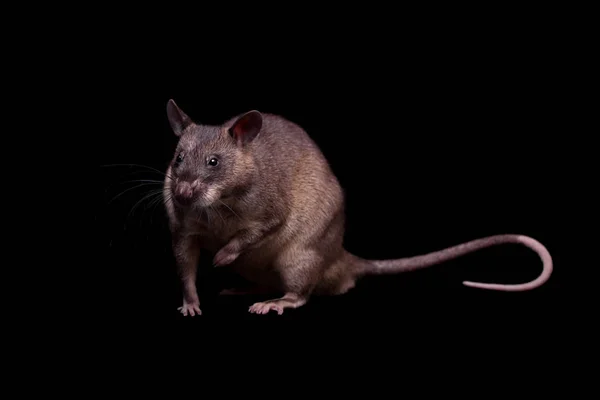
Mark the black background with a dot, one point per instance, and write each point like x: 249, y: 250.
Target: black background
x: 439, y: 134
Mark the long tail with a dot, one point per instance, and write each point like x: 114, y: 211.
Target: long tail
x: 376, y: 267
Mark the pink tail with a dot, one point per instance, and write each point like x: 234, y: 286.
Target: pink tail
x: 376, y: 267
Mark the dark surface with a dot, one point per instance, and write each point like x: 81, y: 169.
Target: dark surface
x: 435, y: 145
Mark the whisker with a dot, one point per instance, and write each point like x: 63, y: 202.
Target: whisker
x: 138, y: 165
x: 164, y: 201
x: 154, y: 204
x: 150, y: 206
x: 218, y: 213
x: 150, y: 195
x: 205, y: 210
x: 145, y: 180
x: 149, y: 181
x: 144, y: 172
x: 127, y: 190
x: 134, y: 165
x: 231, y: 209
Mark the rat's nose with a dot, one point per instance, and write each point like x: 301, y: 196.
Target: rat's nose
x: 184, y: 192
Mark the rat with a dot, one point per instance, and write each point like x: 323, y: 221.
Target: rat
x: 258, y: 194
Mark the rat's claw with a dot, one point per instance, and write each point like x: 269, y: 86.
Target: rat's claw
x: 191, y: 309
x: 225, y: 256
x: 265, y: 307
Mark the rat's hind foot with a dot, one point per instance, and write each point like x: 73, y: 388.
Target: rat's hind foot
x: 191, y: 309
x: 265, y: 307
x: 288, y: 301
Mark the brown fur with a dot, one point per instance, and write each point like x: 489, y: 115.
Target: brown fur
x: 273, y: 211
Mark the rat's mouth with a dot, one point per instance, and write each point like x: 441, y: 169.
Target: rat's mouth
x: 196, y: 194
x: 178, y: 203
x: 195, y: 201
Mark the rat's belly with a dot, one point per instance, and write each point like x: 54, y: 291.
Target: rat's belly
x: 257, y: 266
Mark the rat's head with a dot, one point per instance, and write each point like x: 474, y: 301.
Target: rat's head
x: 210, y: 162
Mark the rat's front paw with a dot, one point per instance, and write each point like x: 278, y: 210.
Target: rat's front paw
x: 225, y: 256
x: 190, y: 309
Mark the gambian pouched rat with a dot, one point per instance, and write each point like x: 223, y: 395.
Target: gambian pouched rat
x: 258, y: 193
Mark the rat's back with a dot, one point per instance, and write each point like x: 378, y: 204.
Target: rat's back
x: 297, y: 175
x: 282, y: 137
x: 287, y: 154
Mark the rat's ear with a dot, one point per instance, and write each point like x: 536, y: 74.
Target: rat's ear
x: 247, y: 126
x: 177, y: 118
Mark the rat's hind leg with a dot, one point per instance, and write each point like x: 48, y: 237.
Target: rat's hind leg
x: 289, y: 300
x: 299, y: 271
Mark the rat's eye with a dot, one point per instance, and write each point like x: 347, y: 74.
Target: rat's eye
x: 213, y: 161
x: 179, y: 158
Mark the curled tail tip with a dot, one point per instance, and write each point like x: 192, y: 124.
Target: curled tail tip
x: 478, y: 285
x: 502, y: 288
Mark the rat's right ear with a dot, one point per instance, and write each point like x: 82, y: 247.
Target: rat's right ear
x: 177, y: 118
x: 247, y: 127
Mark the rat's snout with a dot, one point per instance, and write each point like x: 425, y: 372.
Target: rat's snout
x: 185, y: 191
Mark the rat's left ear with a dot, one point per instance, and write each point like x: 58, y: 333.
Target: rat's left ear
x: 247, y: 127
x: 177, y: 118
